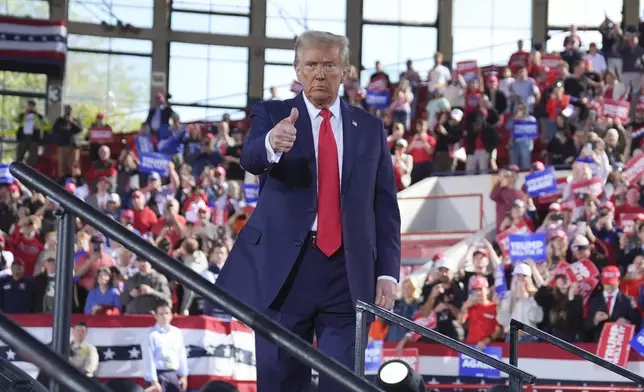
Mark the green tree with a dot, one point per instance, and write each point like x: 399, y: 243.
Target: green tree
x: 113, y: 84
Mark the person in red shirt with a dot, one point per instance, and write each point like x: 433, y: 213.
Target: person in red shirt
x: 172, y: 224
x: 473, y: 96
x: 421, y: 148
x: 631, y: 204
x: 87, y: 266
x: 144, y: 217
x: 26, y: 244
x: 519, y: 59
x: 480, y: 313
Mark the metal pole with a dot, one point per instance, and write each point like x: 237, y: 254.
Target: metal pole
x: 515, y: 384
x: 514, y: 346
x: 361, y: 327
x: 63, y: 283
x: 32, y: 350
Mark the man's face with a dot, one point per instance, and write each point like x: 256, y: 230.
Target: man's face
x: 523, y: 73
x: 80, y: 333
x: 321, y: 71
x: 164, y: 315
x: 50, y: 266
x: 444, y: 274
x: 219, y: 255
x: 31, y: 108
x: 102, y: 186
x: 17, y: 269
x: 581, y: 253
x: 138, y: 202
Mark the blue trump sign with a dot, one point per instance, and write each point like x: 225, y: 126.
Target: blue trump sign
x: 541, y: 182
x: 373, y: 357
x: 637, y: 343
x: 525, y: 247
x: 470, y: 367
x: 144, y: 143
x: 377, y: 99
x: 525, y: 129
x: 5, y: 175
x: 500, y: 286
x: 150, y: 162
x: 251, y: 193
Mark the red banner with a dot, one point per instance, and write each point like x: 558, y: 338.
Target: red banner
x: 551, y: 60
x: 409, y: 355
x: 617, y: 109
x: 633, y: 169
x: 429, y: 321
x: 469, y: 69
x: 586, y: 288
x: 100, y: 135
x: 585, y: 187
x: 580, y: 270
x: 614, y: 344
x: 627, y: 222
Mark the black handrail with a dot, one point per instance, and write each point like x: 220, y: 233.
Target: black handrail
x: 165, y: 264
x: 34, y: 351
x: 517, y: 376
x: 516, y: 325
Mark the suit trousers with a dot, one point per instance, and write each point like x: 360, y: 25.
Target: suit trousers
x: 67, y: 156
x: 28, y: 146
x: 314, y: 301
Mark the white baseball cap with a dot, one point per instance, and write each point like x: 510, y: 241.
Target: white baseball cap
x: 521, y: 269
x: 456, y: 114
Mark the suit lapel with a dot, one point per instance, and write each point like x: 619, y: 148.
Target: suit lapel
x: 304, y: 139
x: 350, y: 134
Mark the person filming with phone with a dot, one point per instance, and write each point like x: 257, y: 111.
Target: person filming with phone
x: 88, y: 265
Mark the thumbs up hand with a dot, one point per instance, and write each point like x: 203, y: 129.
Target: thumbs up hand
x: 283, y: 134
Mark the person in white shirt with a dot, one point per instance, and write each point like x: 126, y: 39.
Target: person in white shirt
x: 6, y: 258
x: 596, y: 59
x: 440, y: 75
x: 165, y: 356
x: 83, y: 355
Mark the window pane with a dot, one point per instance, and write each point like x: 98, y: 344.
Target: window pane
x: 23, y: 82
x: 555, y: 43
x: 217, y: 77
x: 484, y: 13
x: 118, y: 85
x: 281, y: 77
x: 25, y: 9
x: 279, y: 56
x: 400, y: 11
x: 216, y: 114
x: 590, y: 13
x: 189, y: 113
x: 214, y: 24
x: 138, y: 13
x: 124, y: 45
x: 225, y: 6
x: 488, y: 46
x: 289, y: 18
x: 401, y: 44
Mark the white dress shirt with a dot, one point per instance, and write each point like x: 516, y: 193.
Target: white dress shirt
x: 165, y: 351
x: 316, y: 122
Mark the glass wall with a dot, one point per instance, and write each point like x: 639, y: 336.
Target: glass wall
x: 406, y: 28
x: 279, y: 72
x: 208, y: 77
x: 109, y: 75
x: 211, y: 16
x: 138, y: 13
x: 25, y: 9
x: 289, y: 18
x: 488, y: 30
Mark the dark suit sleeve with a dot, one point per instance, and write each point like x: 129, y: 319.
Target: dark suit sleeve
x: 387, y: 215
x: 634, y: 315
x: 253, y: 157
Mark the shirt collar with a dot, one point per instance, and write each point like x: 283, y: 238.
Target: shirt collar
x: 315, y: 112
x: 161, y: 329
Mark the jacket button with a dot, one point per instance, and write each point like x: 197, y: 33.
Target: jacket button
x: 312, y: 209
x: 298, y: 243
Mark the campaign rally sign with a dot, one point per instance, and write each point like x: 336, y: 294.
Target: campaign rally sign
x: 586, y: 288
x: 633, y: 169
x: 637, y: 343
x: 470, y: 367
x: 524, y: 247
x: 617, y: 109
x: 468, y: 69
x: 541, y: 182
x: 586, y: 187
x: 144, y: 143
x: 614, y: 343
x: 503, y: 240
x: 373, y: 357
x: 500, y: 284
x: 627, y: 222
x: 409, y: 355
x: 551, y: 60
x: 154, y: 162
x: 251, y: 193
x: 583, y: 269
x: 548, y: 198
x: 430, y: 321
x: 5, y: 175
x: 594, y: 165
x: 377, y: 99
x: 525, y: 129
x: 100, y: 135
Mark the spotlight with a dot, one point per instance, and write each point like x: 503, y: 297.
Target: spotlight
x: 398, y: 376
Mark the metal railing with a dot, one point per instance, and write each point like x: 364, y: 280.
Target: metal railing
x: 517, y: 376
x: 516, y: 326
x: 71, y: 207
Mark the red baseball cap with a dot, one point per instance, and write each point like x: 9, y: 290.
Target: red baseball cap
x: 611, y: 275
x: 558, y: 234
x: 13, y: 187
x: 556, y: 207
x: 137, y: 194
x: 127, y: 214
x: 608, y: 205
x: 538, y: 166
x: 71, y: 187
x: 478, y: 282
x: 482, y: 251
x: 220, y: 171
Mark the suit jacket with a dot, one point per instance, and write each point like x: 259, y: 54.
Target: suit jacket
x: 623, y: 308
x: 270, y: 242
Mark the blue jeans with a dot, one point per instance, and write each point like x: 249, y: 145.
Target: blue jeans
x: 551, y: 129
x: 521, y: 153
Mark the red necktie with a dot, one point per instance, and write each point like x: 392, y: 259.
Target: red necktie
x: 609, y: 303
x: 329, y: 236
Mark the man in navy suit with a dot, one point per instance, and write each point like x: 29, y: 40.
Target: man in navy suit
x: 326, y: 229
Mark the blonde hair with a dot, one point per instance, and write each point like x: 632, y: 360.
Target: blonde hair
x: 314, y: 38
